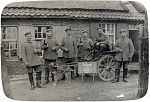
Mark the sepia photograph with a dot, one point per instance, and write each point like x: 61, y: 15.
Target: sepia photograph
x: 74, y: 50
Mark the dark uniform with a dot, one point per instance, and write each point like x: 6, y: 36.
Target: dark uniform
x: 50, y: 47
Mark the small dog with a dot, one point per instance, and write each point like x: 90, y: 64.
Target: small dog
x: 67, y: 74
x: 54, y: 71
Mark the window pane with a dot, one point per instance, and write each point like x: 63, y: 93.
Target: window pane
x: 13, y: 45
x: 44, y: 29
x: 6, y: 53
x: 35, y: 29
x: 111, y: 38
x: 6, y: 45
x: 13, y: 53
x: 103, y: 26
x: 44, y: 35
x: 39, y: 35
x: 8, y: 29
x: 39, y: 29
x: 36, y: 35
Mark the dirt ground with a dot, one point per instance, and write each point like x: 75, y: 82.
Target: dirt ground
x: 77, y: 91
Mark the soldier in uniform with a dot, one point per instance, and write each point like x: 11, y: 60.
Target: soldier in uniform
x: 125, y: 49
x: 85, y: 45
x: 29, y: 52
x: 69, y: 48
x: 102, y: 41
x: 50, y: 47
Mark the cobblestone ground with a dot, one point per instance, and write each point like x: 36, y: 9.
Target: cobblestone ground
x: 76, y: 91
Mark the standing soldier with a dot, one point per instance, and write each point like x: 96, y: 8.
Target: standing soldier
x: 69, y: 47
x: 30, y: 51
x: 125, y: 49
x: 50, y: 47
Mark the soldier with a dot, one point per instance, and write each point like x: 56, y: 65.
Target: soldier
x: 69, y: 47
x: 102, y: 41
x: 85, y: 45
x: 29, y: 52
x: 50, y: 47
x: 125, y: 49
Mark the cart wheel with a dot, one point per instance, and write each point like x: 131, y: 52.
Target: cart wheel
x: 106, y: 68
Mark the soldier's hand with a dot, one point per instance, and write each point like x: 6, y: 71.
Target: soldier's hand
x: 45, y: 46
x: 97, y: 44
x: 26, y: 64
x: 53, y: 48
x: 120, y: 50
x: 35, y: 51
x: 66, y: 49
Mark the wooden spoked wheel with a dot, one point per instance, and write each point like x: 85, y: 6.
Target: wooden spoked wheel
x: 106, y: 68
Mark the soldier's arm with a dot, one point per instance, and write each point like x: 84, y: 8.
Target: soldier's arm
x: 75, y: 46
x: 42, y: 45
x: 106, y: 40
x: 23, y: 54
x: 56, y: 47
x: 62, y: 46
x: 131, y: 49
x: 117, y: 48
x: 91, y: 42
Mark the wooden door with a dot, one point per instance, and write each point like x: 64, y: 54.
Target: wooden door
x: 133, y: 35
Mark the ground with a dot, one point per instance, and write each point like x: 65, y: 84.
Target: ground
x: 77, y: 91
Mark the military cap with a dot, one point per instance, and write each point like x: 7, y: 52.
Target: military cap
x: 123, y: 30
x: 49, y: 28
x: 27, y: 33
x: 85, y: 31
x: 68, y: 29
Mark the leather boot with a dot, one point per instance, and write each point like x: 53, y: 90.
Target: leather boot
x: 124, y: 74
x: 46, y: 77
x: 72, y: 75
x: 52, y: 76
x: 38, y: 80
x: 31, y: 81
x: 117, y: 75
x: 32, y: 86
x: 38, y: 84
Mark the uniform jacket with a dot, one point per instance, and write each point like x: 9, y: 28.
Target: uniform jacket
x: 48, y: 52
x: 103, y: 39
x: 127, y: 49
x: 70, y: 44
x: 28, y: 55
x: 84, y: 47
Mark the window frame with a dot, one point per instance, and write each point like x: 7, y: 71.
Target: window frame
x: 11, y: 40
x: 110, y: 31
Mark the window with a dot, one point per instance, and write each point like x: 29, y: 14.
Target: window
x: 133, y: 26
x: 40, y: 34
x: 109, y: 29
x: 10, y: 41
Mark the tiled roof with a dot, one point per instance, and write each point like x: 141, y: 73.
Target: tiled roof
x: 134, y: 14
x: 92, y: 12
x: 112, y: 5
x: 64, y: 13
